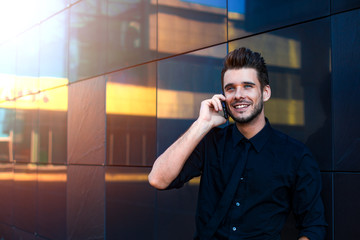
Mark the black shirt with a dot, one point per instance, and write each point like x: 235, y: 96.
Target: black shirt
x: 280, y: 175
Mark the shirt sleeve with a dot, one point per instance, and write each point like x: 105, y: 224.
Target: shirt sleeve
x: 192, y: 167
x: 307, y: 203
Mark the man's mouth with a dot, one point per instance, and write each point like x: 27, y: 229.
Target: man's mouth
x: 241, y: 106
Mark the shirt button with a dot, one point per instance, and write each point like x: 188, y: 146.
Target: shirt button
x: 234, y: 229
x: 237, y: 204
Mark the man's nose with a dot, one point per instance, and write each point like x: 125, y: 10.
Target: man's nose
x: 238, y: 93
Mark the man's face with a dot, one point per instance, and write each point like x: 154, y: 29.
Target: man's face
x: 244, y: 97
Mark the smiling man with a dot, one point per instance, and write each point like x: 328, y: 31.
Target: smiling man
x: 252, y: 176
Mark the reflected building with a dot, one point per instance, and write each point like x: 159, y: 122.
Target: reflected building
x: 91, y: 92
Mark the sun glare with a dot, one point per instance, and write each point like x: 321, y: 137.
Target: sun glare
x: 16, y: 16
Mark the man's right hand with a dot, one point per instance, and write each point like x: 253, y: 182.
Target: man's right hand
x: 211, y: 111
x: 169, y: 164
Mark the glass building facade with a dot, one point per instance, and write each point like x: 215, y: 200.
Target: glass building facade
x: 92, y: 91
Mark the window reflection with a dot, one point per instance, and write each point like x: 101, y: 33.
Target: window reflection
x: 188, y: 25
x: 87, y: 44
x: 53, y: 126
x: 132, y: 32
x: 131, y: 116
x: 34, y: 126
x: 26, y: 135
x: 6, y: 133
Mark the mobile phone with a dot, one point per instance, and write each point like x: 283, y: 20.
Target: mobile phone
x: 223, y: 104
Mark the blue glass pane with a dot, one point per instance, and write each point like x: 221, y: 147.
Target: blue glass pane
x: 341, y: 5
x: 248, y: 17
x: 346, y: 77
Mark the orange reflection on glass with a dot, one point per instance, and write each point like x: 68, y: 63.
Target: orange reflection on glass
x: 174, y: 104
x: 28, y: 172
x: 132, y: 100
x: 128, y: 99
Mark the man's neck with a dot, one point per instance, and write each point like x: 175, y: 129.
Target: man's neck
x: 250, y: 129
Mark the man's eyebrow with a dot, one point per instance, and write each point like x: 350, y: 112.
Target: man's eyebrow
x: 249, y: 83
x: 227, y: 85
x: 243, y: 83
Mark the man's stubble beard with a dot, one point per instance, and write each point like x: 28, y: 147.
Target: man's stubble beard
x: 255, y: 113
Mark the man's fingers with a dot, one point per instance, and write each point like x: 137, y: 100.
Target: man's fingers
x: 216, y: 102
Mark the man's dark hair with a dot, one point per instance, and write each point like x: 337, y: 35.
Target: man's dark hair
x: 245, y: 58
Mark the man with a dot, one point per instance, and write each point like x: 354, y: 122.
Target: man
x: 252, y: 176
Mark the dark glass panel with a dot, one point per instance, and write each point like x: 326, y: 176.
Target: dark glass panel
x: 188, y: 25
x: 183, y: 82
x: 131, y: 33
x: 327, y: 197
x: 54, y: 51
x: 25, y: 197
x: 346, y: 206
x: 177, y: 208
x: 253, y: 16
x: 7, y: 191
x: 131, y: 116
x: 85, y: 202
x: 298, y: 63
x: 86, y: 122
x: 87, y: 39
x: 51, y: 201
x: 341, y: 5
x: 23, y: 235
x: 346, y: 85
x: 53, y: 106
x: 26, y: 129
x: 6, y: 231
x: 130, y: 204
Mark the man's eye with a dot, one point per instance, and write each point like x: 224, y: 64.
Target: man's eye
x: 229, y: 89
x: 248, y: 86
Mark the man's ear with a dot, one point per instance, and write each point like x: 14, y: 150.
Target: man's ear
x: 266, y: 93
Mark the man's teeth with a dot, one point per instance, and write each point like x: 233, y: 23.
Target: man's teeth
x: 241, y: 106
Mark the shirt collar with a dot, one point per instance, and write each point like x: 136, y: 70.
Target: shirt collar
x: 258, y: 141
